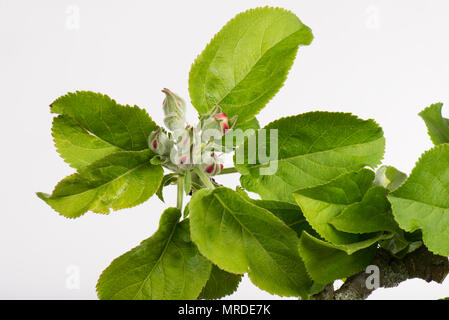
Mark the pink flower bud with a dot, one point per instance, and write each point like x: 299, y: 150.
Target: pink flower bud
x: 212, y: 165
x: 210, y: 169
x: 217, y: 121
x: 222, y: 118
x: 183, y: 160
x: 159, y: 142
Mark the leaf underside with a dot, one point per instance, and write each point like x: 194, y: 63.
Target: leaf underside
x: 422, y: 201
x: 91, y: 126
x: 240, y: 237
x: 164, y: 266
x: 120, y: 180
x: 326, y: 263
x: 437, y: 126
x: 220, y: 284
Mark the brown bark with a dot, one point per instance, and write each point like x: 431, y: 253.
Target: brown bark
x: 419, y: 264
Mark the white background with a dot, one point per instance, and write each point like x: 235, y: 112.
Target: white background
x: 384, y: 60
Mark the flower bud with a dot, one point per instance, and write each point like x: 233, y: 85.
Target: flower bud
x: 216, y: 121
x: 174, y: 110
x: 187, y: 150
x: 222, y: 118
x: 159, y: 142
x: 212, y: 165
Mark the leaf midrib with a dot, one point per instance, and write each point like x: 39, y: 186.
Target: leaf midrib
x: 252, y: 235
x: 249, y: 69
x: 170, y: 237
x: 260, y: 57
x: 104, y: 184
x: 311, y: 153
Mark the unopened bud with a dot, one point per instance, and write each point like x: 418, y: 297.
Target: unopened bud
x: 222, y: 118
x: 174, y: 110
x: 212, y: 165
x: 187, y: 151
x: 159, y: 142
x: 217, y: 120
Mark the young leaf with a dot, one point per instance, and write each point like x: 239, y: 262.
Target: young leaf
x: 165, y: 266
x: 372, y: 214
x: 399, y: 246
x: 289, y: 213
x: 220, y: 284
x: 76, y: 146
x: 168, y: 179
x: 250, y: 124
x: 240, y: 237
x: 389, y: 178
x: 422, y: 202
x: 366, y: 241
x: 313, y: 148
x: 326, y: 262
x: 247, y: 62
x: 437, y: 126
x: 239, y: 132
x: 323, y: 203
x: 92, y: 125
x: 120, y: 180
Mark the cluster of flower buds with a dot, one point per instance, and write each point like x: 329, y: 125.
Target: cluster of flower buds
x: 187, y: 147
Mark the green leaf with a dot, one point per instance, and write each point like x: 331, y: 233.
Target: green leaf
x: 422, y: 202
x: 165, y: 266
x: 76, y: 146
x: 289, y: 213
x: 372, y: 214
x: 399, y: 246
x: 321, y: 204
x: 92, y: 125
x: 437, y: 126
x: 250, y: 124
x: 247, y: 62
x: 168, y: 179
x: 240, y: 237
x: 239, y: 133
x: 120, y: 180
x: 220, y: 284
x: 365, y: 242
x: 389, y: 178
x: 326, y: 262
x: 313, y: 148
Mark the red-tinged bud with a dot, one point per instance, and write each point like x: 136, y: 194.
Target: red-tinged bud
x: 212, y: 164
x: 216, y: 121
x: 174, y: 110
x: 187, y: 151
x: 222, y: 118
x: 183, y: 160
x: 159, y: 142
